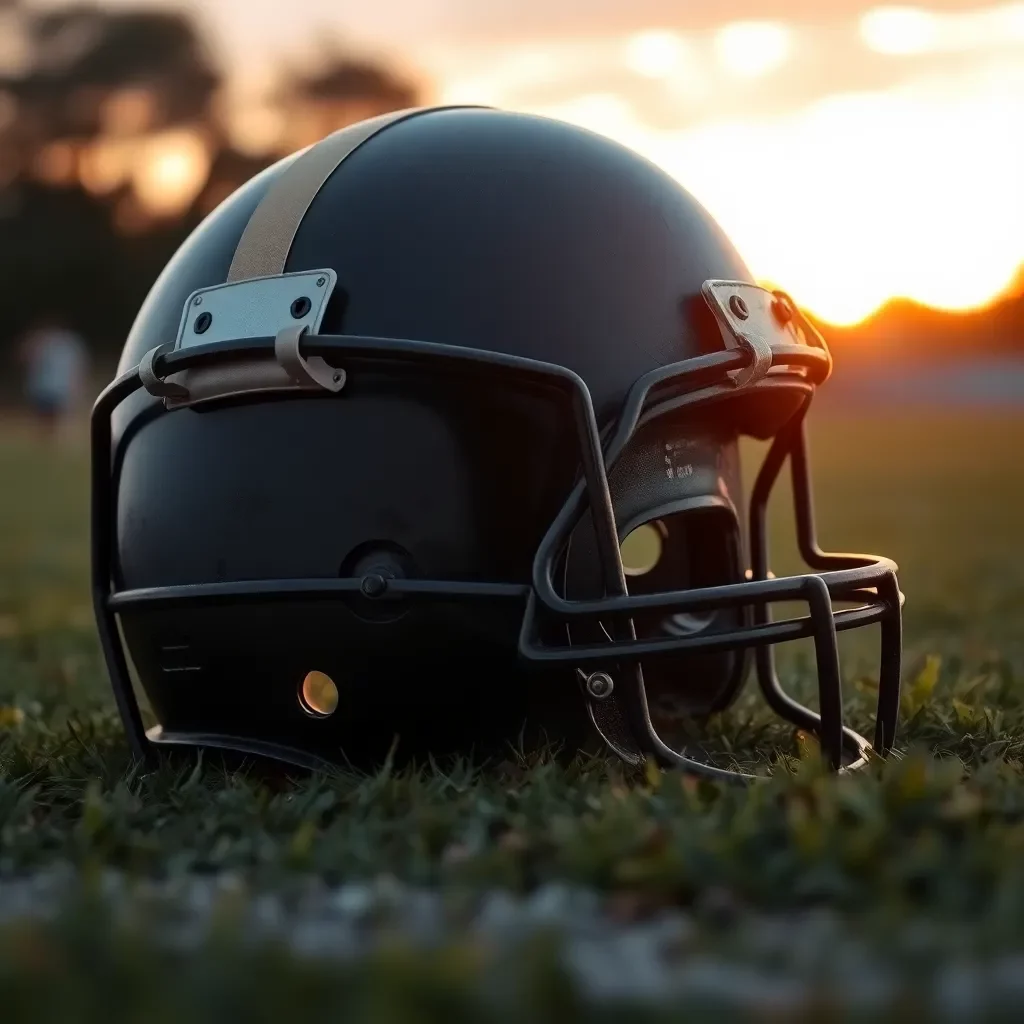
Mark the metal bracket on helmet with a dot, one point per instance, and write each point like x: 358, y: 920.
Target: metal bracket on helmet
x: 152, y: 381
x: 755, y: 319
x: 285, y: 307
x: 313, y: 371
x: 257, y: 307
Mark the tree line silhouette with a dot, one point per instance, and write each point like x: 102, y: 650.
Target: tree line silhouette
x: 114, y: 144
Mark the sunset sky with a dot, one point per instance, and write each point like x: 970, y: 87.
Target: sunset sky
x: 853, y: 156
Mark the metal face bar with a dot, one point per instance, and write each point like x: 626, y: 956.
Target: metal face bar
x: 101, y: 537
x: 257, y: 591
x: 764, y: 658
x: 890, y: 667
x: 792, y: 442
x: 603, y: 654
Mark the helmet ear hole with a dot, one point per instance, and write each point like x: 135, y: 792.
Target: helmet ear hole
x: 695, y: 546
x: 642, y: 548
x: 681, y: 544
x: 700, y: 547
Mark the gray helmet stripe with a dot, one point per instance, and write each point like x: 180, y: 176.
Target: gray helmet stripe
x: 267, y: 239
x: 263, y: 249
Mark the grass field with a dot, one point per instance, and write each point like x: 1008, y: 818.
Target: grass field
x: 529, y: 891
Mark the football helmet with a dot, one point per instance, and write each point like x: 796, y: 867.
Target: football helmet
x: 430, y: 430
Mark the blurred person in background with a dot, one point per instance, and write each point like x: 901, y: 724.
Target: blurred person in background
x: 56, y: 367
